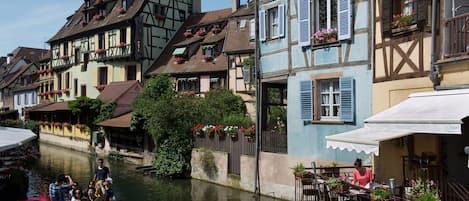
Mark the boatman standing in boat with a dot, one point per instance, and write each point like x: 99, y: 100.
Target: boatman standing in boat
x: 101, y: 173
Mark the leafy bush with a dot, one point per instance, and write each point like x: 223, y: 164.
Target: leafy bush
x: 220, y: 103
x: 237, y: 120
x: 173, y: 157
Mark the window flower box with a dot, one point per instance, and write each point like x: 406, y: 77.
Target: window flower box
x: 57, y: 124
x: 80, y: 126
x: 39, y: 94
x: 66, y: 91
x: 47, y: 93
x: 216, y: 30
x: 402, y: 20
x: 209, y: 130
x: 249, y: 132
x: 207, y: 57
x: 218, y: 130
x: 201, y: 32
x: 197, y: 129
x: 65, y: 57
x: 188, y: 34
x: 100, y: 87
x: 83, y: 23
x: 45, y: 123
x: 100, y: 51
x: 179, y: 60
x: 98, y: 17
x: 160, y: 17
x: 58, y: 92
x: 121, y: 45
x: 325, y: 36
x: 121, y: 10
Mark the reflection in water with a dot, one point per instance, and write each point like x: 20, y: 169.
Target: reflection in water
x: 128, y: 185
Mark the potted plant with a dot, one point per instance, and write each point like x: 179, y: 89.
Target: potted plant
x: 331, y: 169
x: 197, y: 129
x: 67, y: 125
x: 57, y: 124
x: 298, y: 170
x: 121, y: 10
x: 428, y: 196
x: 424, y: 190
x: 208, y: 130
x: 98, y: 17
x: 188, y: 34
x: 218, y: 130
x: 66, y: 91
x: 325, y: 36
x: 379, y: 194
x: 100, y: 51
x: 338, y: 184
x: 100, y: 87
x: 179, y: 60
x: 402, y: 20
x: 232, y: 131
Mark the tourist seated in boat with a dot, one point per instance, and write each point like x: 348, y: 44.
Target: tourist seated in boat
x: 59, y: 189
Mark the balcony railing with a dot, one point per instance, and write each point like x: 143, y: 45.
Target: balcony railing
x: 61, y: 62
x: 113, y: 53
x: 458, y: 36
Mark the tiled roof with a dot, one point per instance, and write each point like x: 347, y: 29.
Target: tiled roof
x: 166, y: 64
x: 122, y: 94
x: 118, y: 122
x: 27, y: 87
x: 237, y: 39
x: 38, y: 106
x: 58, y: 106
x: 31, y: 54
x: 10, y: 80
x: 113, y: 17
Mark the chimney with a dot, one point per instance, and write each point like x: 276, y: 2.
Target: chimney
x: 235, y: 5
x: 9, y: 58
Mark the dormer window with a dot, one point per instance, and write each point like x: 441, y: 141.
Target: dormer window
x: 209, y: 50
x: 87, y: 4
x: 160, y: 11
x: 180, y: 52
x: 124, y: 5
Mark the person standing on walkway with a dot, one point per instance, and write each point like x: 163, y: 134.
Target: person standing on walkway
x: 58, y: 190
x: 101, y: 173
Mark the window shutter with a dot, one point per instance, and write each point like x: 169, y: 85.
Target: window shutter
x: 304, y: 23
x: 386, y: 17
x: 347, y: 104
x: 281, y: 20
x: 421, y: 13
x: 306, y: 100
x: 262, y: 25
x: 344, y: 18
x: 247, y: 74
x: 252, y: 30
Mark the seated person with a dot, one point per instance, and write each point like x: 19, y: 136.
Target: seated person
x: 362, y: 176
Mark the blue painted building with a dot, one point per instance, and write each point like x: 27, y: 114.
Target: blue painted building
x: 317, y: 52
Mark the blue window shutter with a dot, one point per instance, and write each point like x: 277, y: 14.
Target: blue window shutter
x: 247, y: 74
x: 304, y: 23
x: 281, y: 20
x: 347, y: 103
x: 344, y: 18
x: 306, y: 100
x: 262, y: 25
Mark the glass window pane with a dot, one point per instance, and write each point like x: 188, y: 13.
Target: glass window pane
x: 322, y: 15
x: 333, y: 14
x: 336, y: 111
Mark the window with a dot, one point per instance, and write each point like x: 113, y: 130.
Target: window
x: 65, y: 49
x: 67, y: 80
x: 123, y: 35
x: 102, y: 76
x: 242, y: 24
x: 17, y: 99
x: 26, y: 99
x: 215, y: 83
x: 189, y: 84
x: 209, y: 51
x: 160, y: 10
x: 86, y: 59
x: 77, y: 56
x: 83, y: 90
x: 55, y: 52
x: 182, y: 15
x: 131, y: 72
x: 34, y: 97
x: 112, y: 38
x: 59, y: 81
x: 404, y: 16
x: 326, y: 14
x: 273, y: 22
x: 124, y: 4
x: 331, y: 100
x: 101, y: 41
x: 75, y: 87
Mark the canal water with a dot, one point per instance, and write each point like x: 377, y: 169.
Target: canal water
x: 128, y: 185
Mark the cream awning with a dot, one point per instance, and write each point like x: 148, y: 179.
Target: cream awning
x: 14, y: 137
x: 439, y: 112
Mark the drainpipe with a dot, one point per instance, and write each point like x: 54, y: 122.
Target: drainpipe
x: 257, y: 75
x: 435, y: 69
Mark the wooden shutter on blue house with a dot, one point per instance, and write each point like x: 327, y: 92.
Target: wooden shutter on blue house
x: 304, y: 23
x: 262, y: 25
x: 281, y: 20
x: 347, y: 97
x: 344, y: 18
x: 306, y: 100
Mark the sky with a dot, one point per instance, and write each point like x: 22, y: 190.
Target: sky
x: 30, y: 23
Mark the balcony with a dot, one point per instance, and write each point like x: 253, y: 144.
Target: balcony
x: 122, y: 51
x: 63, y: 62
x: 457, y: 30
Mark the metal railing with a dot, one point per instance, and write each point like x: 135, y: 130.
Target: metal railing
x: 458, y: 36
x: 112, y: 53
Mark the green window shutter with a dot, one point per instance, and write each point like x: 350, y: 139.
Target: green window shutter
x: 347, y: 103
x: 306, y: 100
